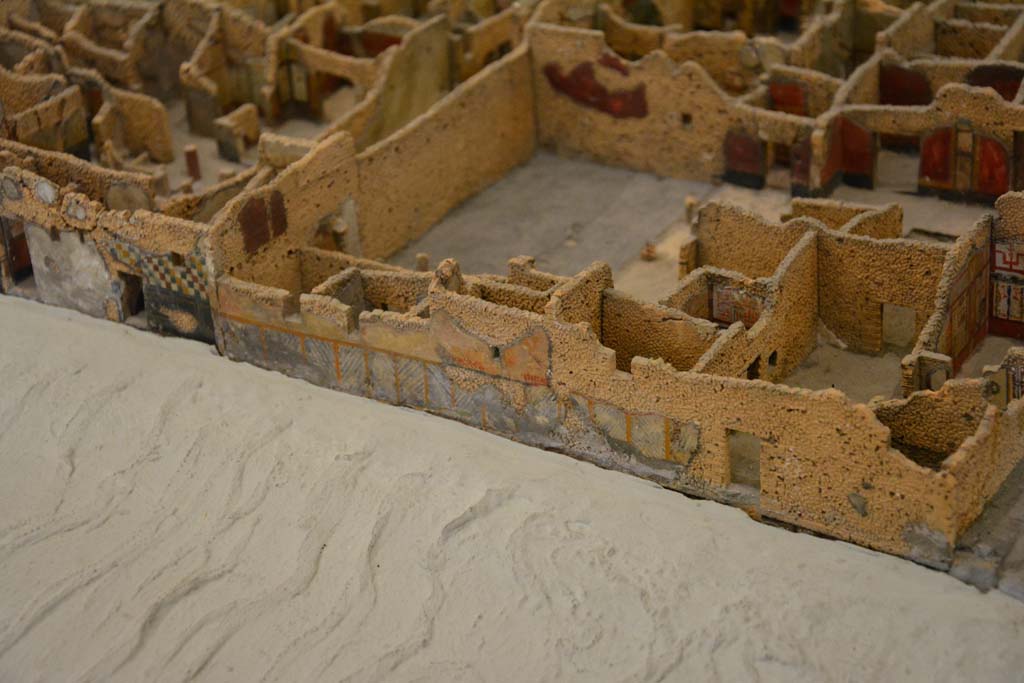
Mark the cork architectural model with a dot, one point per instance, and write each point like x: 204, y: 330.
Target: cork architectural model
x: 344, y: 130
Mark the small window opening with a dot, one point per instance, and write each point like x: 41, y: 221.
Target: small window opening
x: 499, y: 52
x: 687, y: 120
x: 495, y: 352
x: 744, y: 459
x: 789, y: 23
x: 773, y: 359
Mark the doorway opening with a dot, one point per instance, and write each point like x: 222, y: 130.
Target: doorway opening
x: 898, y: 168
x: 754, y: 369
x: 744, y: 460
x: 133, y: 300
x: 898, y: 327
x: 19, y: 258
x: 780, y: 168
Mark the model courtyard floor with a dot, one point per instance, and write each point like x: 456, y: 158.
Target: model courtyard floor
x: 568, y: 213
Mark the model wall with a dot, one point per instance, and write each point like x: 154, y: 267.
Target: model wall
x: 785, y: 332
x: 463, y: 144
x: 732, y: 238
x: 636, y: 328
x: 259, y: 232
x: 857, y: 275
x: 802, y: 432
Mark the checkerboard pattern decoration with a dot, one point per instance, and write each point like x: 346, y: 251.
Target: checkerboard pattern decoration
x: 187, y: 277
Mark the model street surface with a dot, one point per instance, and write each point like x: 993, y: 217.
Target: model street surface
x: 196, y: 518
x: 641, y: 339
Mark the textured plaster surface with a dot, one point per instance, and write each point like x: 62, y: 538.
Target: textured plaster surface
x: 69, y: 271
x: 316, y: 548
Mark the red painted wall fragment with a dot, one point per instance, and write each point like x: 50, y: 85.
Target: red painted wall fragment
x: 789, y: 8
x: 858, y: 149
x: 936, y: 157
x: 21, y: 260
x: 278, y: 216
x: 834, y: 159
x: 372, y: 43
x: 788, y: 96
x: 253, y: 220
x: 800, y: 162
x: 375, y: 43
x: 614, y: 63
x: 744, y: 153
x: 582, y: 86
x: 902, y: 87
x: 1003, y: 78
x: 993, y: 177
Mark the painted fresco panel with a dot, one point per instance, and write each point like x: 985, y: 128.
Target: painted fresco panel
x: 539, y: 422
x: 800, y: 155
x: 1008, y: 289
x: 171, y: 313
x: 582, y: 85
x: 1009, y: 301
x: 859, y: 149
x: 729, y: 304
x: 352, y: 366
x: 283, y: 351
x: 969, y: 311
x: 991, y: 167
x: 411, y: 382
x: 1015, y: 375
x: 439, y: 389
x: 383, y: 377
x: 788, y: 96
x: 319, y: 367
x: 1009, y: 258
x: 936, y: 169
x: 833, y: 166
x: 648, y: 435
x: 526, y: 359
x: 744, y: 159
x: 902, y: 87
x: 1003, y: 78
x: 242, y: 342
